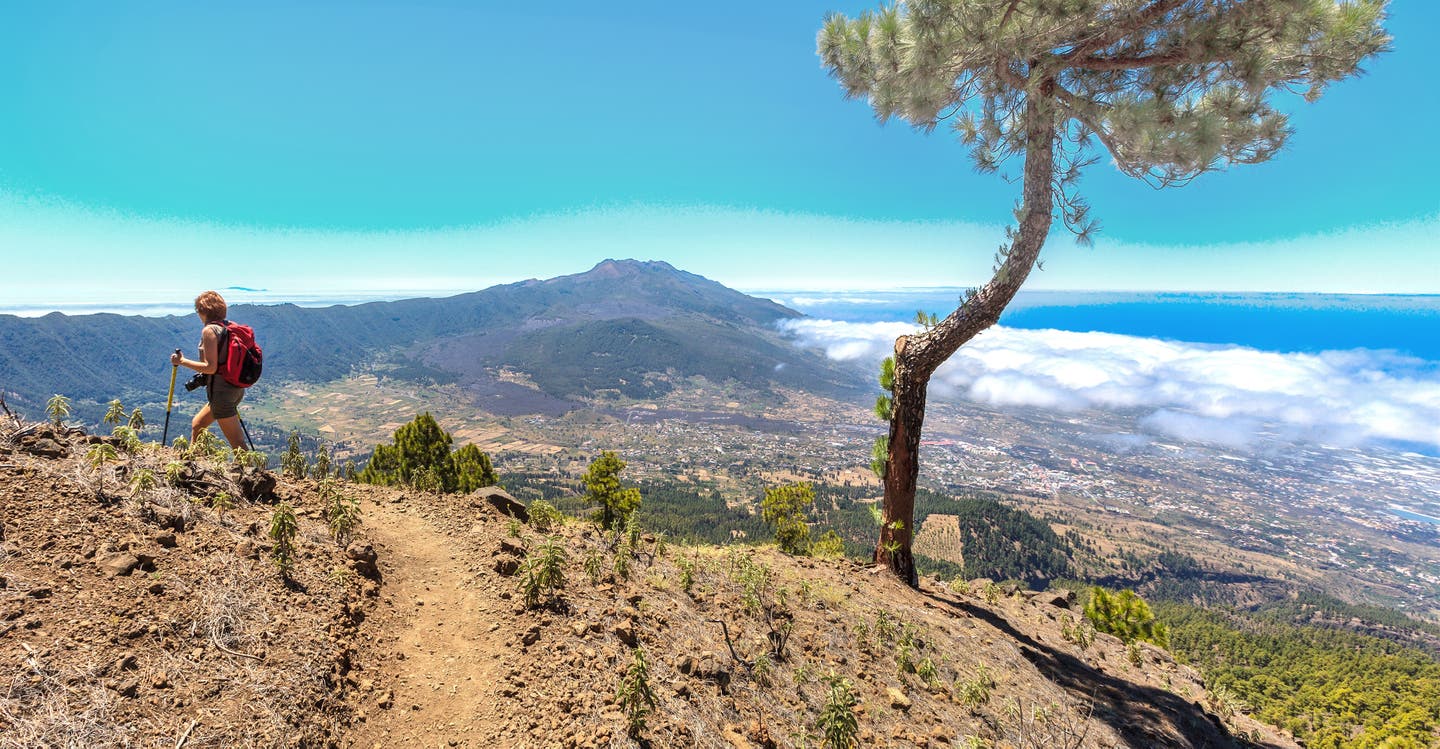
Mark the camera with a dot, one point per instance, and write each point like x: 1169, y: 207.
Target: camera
x: 198, y: 381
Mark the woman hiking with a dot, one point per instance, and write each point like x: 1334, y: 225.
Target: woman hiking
x: 222, y: 398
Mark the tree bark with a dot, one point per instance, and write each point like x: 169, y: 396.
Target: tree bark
x: 918, y: 356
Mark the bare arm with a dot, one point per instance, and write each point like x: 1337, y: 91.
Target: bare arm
x: 210, y: 358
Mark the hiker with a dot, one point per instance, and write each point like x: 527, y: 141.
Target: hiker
x: 223, y: 398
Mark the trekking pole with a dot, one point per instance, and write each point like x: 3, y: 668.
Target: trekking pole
x: 169, y: 401
x: 247, y: 434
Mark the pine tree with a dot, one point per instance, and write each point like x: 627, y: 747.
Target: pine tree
x: 420, y: 445
x: 783, y: 509
x: 1125, y: 615
x: 472, y: 469
x: 603, y: 488
x: 420, y: 457
x: 1167, y: 89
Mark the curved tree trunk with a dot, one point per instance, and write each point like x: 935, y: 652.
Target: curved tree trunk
x: 918, y: 356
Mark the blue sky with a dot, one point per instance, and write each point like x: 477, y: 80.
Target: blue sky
x: 447, y: 146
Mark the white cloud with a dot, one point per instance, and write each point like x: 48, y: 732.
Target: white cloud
x: 1222, y: 394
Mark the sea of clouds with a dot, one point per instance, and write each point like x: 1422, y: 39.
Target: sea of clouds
x: 1229, y: 395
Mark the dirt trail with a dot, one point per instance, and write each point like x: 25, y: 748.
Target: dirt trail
x: 436, y: 652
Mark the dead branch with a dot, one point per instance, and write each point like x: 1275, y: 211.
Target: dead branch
x: 726, y: 629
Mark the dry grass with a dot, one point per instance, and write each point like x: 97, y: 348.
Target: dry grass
x: 53, y: 707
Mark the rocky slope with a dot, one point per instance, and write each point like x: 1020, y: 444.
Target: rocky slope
x: 151, y: 617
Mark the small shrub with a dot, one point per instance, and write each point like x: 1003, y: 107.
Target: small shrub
x: 928, y: 673
x: 992, y: 593
x: 222, y: 503
x: 283, y: 529
x: 143, y: 481
x: 837, y: 723
x: 687, y: 573
x: 99, y: 457
x: 1082, y: 633
x: 181, y: 444
x: 621, y: 567
x: 173, y: 470
x: 634, y: 695
x: 829, y: 546
x: 58, y: 409
x: 1133, y: 654
x: 428, y: 479
x: 128, y: 441
x: 543, y: 572
x: 884, y: 628
x: 861, y: 630
x: 512, y: 528
x: 594, y: 565
x: 251, y: 458
x: 137, y: 420
x: 321, y: 470
x: 1225, y: 702
x: 976, y: 692
x: 206, y: 445
x: 904, y: 660
x: 114, y: 413
x: 292, y: 461
x: 544, y: 517
x: 763, y: 670
x: 342, y: 511
x: 632, y: 532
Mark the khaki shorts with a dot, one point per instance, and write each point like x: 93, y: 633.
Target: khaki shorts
x: 224, y: 398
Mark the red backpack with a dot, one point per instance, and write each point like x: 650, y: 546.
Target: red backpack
x: 240, y: 356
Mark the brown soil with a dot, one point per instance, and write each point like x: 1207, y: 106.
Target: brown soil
x: 211, y: 647
x: 432, y: 668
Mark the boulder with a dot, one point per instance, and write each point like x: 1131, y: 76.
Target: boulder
x: 255, y: 484
x: 362, y: 560
x: 1058, y: 598
x: 45, y: 447
x: 501, y: 501
x: 117, y: 564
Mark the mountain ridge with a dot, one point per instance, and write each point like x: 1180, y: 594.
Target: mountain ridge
x: 466, y: 336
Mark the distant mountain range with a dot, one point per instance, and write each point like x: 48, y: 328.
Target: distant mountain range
x: 624, y: 328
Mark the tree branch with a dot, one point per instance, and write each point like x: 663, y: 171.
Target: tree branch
x: 1116, y: 31
x: 1145, y: 61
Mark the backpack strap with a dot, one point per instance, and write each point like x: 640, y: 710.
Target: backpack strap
x: 222, y: 344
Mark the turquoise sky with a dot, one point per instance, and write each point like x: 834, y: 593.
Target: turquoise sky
x: 152, y: 147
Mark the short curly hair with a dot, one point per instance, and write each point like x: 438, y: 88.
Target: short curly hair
x: 211, y: 306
